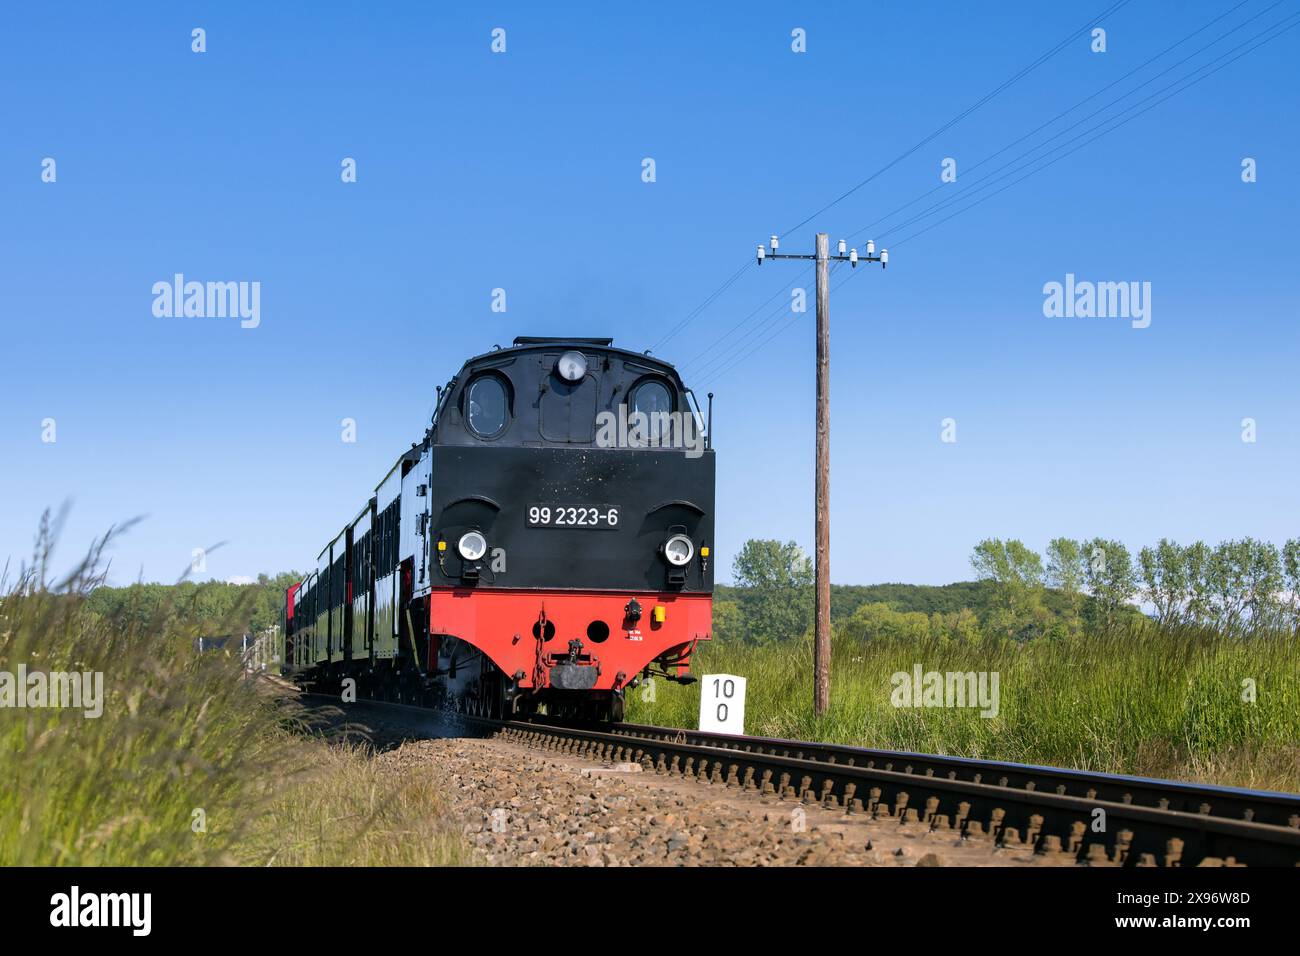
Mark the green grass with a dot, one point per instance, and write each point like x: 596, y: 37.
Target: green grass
x: 179, y: 733
x: 351, y: 809
x: 1142, y: 700
x: 182, y: 732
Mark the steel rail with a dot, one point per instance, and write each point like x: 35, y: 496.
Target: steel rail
x: 1252, y: 806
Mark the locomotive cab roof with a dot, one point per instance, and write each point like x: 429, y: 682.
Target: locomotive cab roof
x: 550, y: 389
x: 559, y: 340
x: 586, y: 344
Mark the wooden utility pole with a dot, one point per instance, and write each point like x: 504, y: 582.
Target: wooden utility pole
x: 822, y: 493
x: 822, y: 480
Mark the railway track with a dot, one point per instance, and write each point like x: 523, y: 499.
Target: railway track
x: 1096, y: 818
x: 1252, y: 806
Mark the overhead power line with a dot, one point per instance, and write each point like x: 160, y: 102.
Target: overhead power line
x: 703, y: 305
x: 963, y: 192
x: 984, y: 100
x: 781, y: 311
x: 1035, y: 166
x: 1004, y: 85
x: 1277, y: 29
x: 1062, y: 114
x: 715, y: 348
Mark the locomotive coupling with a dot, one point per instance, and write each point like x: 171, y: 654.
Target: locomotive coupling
x: 570, y: 671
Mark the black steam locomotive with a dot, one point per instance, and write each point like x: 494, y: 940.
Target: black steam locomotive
x: 546, y: 546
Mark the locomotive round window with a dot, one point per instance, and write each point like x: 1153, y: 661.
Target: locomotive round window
x: 486, y: 406
x: 651, y: 397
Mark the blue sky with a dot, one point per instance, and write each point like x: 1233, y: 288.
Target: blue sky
x: 523, y: 171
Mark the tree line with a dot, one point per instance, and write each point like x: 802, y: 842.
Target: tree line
x: 215, y: 608
x: 1078, y: 585
x: 772, y: 601
x: 1237, y: 585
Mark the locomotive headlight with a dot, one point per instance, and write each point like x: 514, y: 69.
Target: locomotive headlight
x: 678, y: 550
x: 572, y: 366
x: 472, y: 545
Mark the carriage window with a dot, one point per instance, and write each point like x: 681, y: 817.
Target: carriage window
x: 486, y: 406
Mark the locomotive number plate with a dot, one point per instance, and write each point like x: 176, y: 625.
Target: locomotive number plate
x: 593, y: 517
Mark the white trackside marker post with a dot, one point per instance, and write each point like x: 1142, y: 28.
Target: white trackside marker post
x: 722, y: 704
